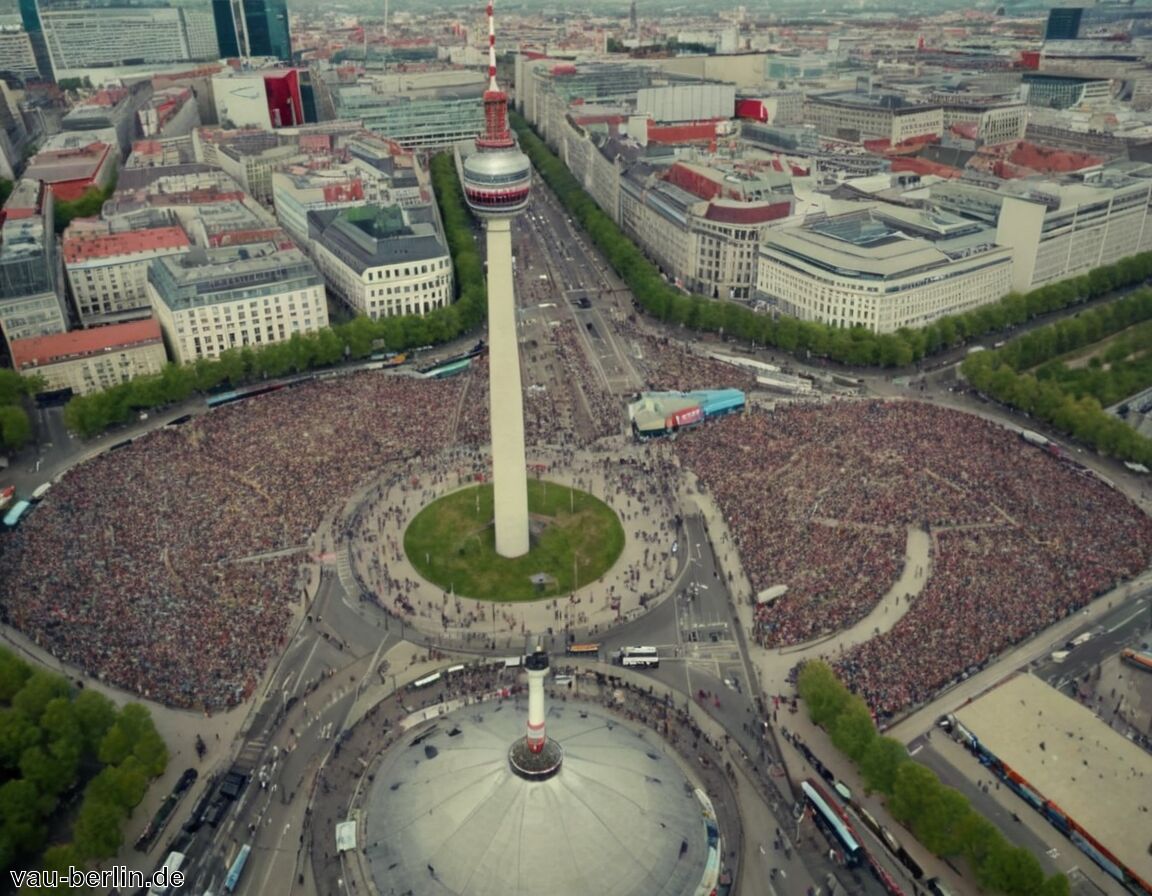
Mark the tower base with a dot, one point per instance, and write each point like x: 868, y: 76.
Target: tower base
x: 535, y: 766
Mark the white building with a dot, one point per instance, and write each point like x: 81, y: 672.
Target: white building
x: 378, y: 263
x: 883, y: 268
x: 1061, y: 228
x: 298, y: 190
x: 865, y: 116
x: 108, y: 272
x: 252, y: 295
x: 81, y: 38
x: 16, y: 52
x: 87, y: 361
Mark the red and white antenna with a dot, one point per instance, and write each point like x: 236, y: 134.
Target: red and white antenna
x: 496, y: 134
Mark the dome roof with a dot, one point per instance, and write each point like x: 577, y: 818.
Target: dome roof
x: 447, y: 817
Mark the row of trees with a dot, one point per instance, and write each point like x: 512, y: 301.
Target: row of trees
x: 855, y: 346
x: 939, y: 817
x: 1027, y: 375
x: 15, y: 427
x: 56, y: 742
x: 358, y: 338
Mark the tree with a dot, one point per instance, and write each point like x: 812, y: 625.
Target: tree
x: 20, y: 817
x: 97, y: 833
x: 822, y: 691
x: 853, y: 731
x: 39, y: 690
x: 880, y: 763
x: 15, y: 427
x: 17, y: 734
x: 13, y: 673
x: 914, y: 791
x: 95, y: 714
x: 49, y: 774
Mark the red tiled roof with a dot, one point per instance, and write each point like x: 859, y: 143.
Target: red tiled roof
x: 82, y: 247
x: 748, y: 213
x: 41, y: 350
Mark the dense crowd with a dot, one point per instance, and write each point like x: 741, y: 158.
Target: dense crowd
x: 674, y: 367
x: 159, y: 567
x: 820, y: 498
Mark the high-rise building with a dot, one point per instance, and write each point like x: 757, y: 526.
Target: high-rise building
x: 30, y: 18
x: 31, y: 275
x: 497, y: 181
x: 1063, y: 23
x: 80, y: 39
x: 253, y: 28
x: 266, y: 24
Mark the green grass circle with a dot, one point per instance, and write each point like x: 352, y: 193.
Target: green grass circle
x: 576, y: 538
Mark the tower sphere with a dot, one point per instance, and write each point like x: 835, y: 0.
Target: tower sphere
x: 497, y: 183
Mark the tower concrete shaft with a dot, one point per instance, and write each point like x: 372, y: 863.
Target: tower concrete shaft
x: 506, y: 402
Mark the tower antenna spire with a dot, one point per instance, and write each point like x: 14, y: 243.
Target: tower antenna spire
x: 496, y: 134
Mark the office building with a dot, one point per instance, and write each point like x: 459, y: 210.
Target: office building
x: 31, y: 278
x: 209, y: 301
x: 87, y: 361
x: 265, y: 99
x: 252, y: 28
x: 882, y: 268
x: 73, y: 171
x: 424, y: 110
x: 1063, y: 23
x: 80, y: 38
x: 1060, y: 227
x: 30, y: 19
x: 378, y: 263
x: 855, y: 117
x: 16, y: 53
x: 108, y: 272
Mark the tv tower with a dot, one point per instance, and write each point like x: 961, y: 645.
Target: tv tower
x: 497, y: 180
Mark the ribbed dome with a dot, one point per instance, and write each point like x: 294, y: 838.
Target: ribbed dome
x: 447, y: 817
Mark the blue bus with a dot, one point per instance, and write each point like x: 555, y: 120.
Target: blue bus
x: 237, y: 869
x: 834, y: 824
x: 16, y: 513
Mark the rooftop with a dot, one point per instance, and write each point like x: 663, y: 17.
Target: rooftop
x: 42, y: 350
x: 56, y: 166
x: 372, y: 236
x: 1067, y: 755
x: 83, y: 247
x: 885, y: 243
x: 619, y: 818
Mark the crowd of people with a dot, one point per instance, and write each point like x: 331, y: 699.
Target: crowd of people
x: 170, y: 567
x: 674, y: 368
x: 819, y: 498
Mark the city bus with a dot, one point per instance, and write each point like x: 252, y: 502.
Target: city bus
x: 589, y: 650
x: 171, y: 865
x: 426, y: 681
x: 237, y: 869
x: 833, y: 823
x: 16, y: 513
x: 645, y: 657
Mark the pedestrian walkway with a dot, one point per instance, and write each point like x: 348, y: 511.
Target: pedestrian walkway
x: 633, y: 482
